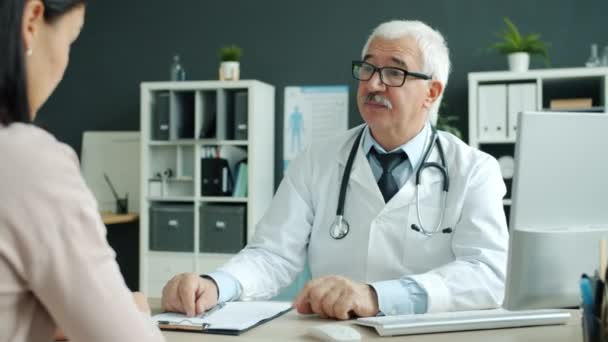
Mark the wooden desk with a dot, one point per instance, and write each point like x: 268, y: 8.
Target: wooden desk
x: 123, y: 237
x: 293, y: 327
x: 111, y: 218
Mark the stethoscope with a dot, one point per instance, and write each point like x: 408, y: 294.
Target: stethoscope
x: 340, y: 227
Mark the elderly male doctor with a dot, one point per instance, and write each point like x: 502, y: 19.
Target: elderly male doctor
x: 401, y: 254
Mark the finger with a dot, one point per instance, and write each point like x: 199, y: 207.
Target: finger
x: 315, y: 297
x: 302, y: 297
x: 206, y: 296
x: 303, y: 294
x: 186, y: 293
x: 304, y: 308
x: 301, y: 303
x: 329, y: 300
x: 169, y: 295
x: 201, y: 305
x: 343, y: 306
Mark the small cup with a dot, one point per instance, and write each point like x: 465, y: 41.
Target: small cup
x: 122, y: 205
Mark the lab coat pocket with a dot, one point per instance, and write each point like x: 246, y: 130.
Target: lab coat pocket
x: 424, y: 252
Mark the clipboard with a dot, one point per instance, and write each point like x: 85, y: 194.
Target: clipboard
x: 231, y: 318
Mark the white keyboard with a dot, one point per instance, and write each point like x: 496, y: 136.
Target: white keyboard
x: 462, y: 320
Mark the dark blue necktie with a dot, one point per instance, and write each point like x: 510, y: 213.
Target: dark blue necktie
x: 388, y: 161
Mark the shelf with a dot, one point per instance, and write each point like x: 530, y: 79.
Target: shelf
x: 174, y: 179
x: 225, y: 199
x: 215, y: 255
x: 192, y: 142
x: 223, y: 142
x: 171, y: 199
x: 168, y: 253
x: 594, y: 109
x: 200, y: 85
x: 172, y: 142
x: 182, y: 124
x: 496, y: 141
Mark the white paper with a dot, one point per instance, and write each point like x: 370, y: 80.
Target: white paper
x: 233, y: 316
x: 311, y: 114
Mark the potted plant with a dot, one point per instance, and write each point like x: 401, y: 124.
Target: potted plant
x: 230, y: 66
x: 447, y: 122
x: 519, y: 47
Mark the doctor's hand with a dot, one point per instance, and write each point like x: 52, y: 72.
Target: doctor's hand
x: 337, y: 297
x: 190, y: 294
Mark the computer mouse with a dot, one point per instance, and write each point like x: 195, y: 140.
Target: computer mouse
x: 334, y: 332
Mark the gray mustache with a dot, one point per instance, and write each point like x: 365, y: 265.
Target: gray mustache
x: 378, y: 99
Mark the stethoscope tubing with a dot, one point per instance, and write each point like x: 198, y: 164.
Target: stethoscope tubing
x: 340, y: 228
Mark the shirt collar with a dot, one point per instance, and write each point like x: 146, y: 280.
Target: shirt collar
x: 414, y: 148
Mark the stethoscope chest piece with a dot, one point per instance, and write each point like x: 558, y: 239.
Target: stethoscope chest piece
x: 339, y: 228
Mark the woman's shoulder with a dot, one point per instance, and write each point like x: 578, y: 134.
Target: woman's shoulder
x: 28, y: 145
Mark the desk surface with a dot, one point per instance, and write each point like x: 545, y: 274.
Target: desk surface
x: 111, y: 218
x: 293, y: 327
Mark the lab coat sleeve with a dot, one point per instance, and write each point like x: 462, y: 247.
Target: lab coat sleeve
x: 476, y: 278
x: 277, y: 251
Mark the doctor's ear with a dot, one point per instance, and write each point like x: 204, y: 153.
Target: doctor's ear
x: 434, y: 90
x: 33, y: 18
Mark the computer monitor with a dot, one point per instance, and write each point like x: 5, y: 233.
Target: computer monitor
x: 559, y: 210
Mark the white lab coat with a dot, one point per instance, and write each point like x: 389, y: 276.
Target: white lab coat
x: 459, y: 271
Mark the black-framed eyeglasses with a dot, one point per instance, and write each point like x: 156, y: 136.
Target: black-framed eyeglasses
x: 390, y: 76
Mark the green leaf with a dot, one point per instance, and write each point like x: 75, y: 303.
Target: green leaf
x: 511, y: 40
x: 230, y: 53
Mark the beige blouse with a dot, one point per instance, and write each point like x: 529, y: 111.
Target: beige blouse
x: 56, y: 267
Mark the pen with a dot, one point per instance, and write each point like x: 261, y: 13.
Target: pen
x: 212, y: 310
x: 587, y: 299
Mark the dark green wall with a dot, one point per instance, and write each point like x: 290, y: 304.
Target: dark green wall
x: 286, y: 43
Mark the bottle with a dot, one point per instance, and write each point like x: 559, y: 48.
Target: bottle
x: 605, y: 56
x: 594, y: 60
x: 177, y: 71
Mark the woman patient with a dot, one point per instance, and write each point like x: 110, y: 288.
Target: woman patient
x: 56, y: 268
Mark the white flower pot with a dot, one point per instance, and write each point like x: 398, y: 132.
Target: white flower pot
x: 230, y: 71
x: 519, y: 61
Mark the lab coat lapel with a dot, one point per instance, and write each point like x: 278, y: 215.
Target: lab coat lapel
x: 430, y: 176
x: 361, y: 172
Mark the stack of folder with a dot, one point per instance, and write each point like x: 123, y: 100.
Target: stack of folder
x: 593, y: 301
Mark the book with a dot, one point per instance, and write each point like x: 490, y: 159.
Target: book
x: 240, y: 115
x: 231, y: 318
x: 580, y: 103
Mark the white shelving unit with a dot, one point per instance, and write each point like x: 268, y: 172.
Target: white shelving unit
x: 201, y: 115
x: 496, y: 98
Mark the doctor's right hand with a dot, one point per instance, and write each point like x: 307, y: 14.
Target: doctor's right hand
x: 190, y: 294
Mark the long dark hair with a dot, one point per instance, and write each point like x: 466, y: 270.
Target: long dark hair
x: 14, y: 105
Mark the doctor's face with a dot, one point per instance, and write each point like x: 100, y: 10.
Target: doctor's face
x: 395, y: 113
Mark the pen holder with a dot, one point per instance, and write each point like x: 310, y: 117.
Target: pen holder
x: 593, y: 328
x: 122, y: 205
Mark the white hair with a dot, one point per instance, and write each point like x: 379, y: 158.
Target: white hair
x: 435, y: 53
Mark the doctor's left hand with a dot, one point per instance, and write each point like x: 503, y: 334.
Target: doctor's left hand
x: 337, y: 297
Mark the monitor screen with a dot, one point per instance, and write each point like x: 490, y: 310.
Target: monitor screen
x: 559, y: 210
